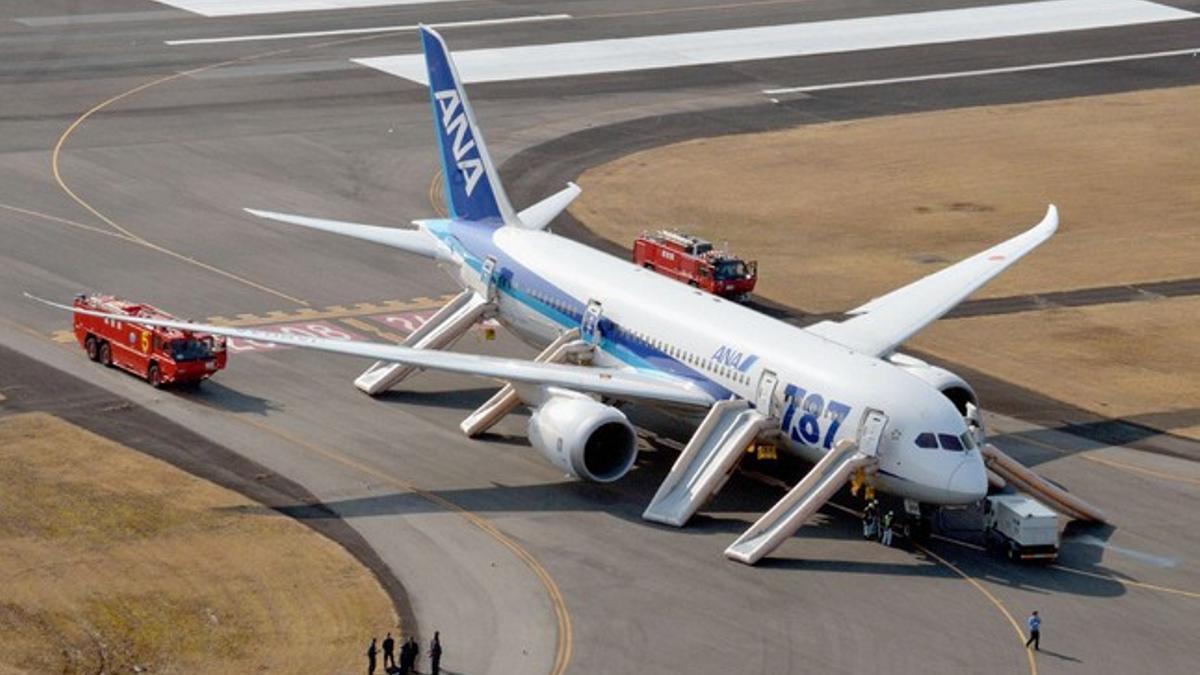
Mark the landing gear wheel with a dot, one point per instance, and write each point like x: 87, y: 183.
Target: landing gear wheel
x: 105, y: 354
x: 92, y: 348
x: 154, y: 376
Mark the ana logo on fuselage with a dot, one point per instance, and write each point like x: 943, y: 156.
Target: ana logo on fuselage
x: 728, y: 356
x: 454, y: 123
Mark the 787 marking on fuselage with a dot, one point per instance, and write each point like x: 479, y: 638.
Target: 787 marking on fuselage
x: 804, y: 414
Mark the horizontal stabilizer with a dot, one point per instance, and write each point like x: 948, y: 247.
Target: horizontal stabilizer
x: 538, y: 216
x: 413, y: 241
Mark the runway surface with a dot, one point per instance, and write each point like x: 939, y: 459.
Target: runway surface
x: 125, y: 162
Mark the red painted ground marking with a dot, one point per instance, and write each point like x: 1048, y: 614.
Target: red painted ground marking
x: 404, y: 322
x: 316, y: 329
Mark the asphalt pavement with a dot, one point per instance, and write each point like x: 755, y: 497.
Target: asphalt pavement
x: 125, y: 163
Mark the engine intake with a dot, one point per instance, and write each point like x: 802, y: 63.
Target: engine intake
x: 952, y: 387
x: 583, y: 437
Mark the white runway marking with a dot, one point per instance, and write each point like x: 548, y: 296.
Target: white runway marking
x: 109, y: 17
x: 986, y: 71
x: 212, y: 8
x: 773, y: 42
x: 365, y: 31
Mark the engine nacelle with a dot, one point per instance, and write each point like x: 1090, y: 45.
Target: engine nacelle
x: 584, y: 437
x: 952, y: 386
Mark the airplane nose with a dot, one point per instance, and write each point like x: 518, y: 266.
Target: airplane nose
x: 968, y: 483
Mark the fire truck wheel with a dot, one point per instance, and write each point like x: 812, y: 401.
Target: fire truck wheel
x: 92, y: 349
x: 105, y: 354
x: 693, y: 284
x: 154, y: 376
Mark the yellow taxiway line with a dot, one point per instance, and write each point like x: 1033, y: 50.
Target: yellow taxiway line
x: 991, y: 598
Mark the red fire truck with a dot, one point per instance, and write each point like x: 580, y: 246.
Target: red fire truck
x: 160, y: 355
x: 696, y: 262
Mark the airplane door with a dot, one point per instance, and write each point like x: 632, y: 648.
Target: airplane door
x: 487, y: 278
x: 589, y: 325
x: 766, y: 392
x: 870, y: 433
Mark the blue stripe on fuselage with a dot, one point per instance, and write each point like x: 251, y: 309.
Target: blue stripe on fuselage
x: 475, y: 243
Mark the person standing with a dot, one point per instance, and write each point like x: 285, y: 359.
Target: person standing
x: 435, y: 654
x: 414, y: 651
x: 870, y: 519
x: 389, y: 652
x: 886, y: 536
x: 1035, y: 631
x: 405, y: 658
x: 372, y: 651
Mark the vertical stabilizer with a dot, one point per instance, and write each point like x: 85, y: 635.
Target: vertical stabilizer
x: 473, y: 189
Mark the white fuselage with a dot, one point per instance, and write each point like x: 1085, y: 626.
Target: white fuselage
x: 818, y: 389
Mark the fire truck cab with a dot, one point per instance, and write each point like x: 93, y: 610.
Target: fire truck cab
x: 159, y: 355
x: 695, y: 262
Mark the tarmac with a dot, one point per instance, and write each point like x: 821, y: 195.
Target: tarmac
x: 125, y: 163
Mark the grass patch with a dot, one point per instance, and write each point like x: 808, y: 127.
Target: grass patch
x: 114, y: 562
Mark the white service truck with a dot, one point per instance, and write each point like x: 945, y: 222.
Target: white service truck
x: 1020, y: 527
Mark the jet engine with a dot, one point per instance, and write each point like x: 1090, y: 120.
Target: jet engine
x: 583, y: 437
x: 951, y: 385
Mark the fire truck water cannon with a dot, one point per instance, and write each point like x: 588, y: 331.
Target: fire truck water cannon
x: 159, y: 355
x: 696, y: 262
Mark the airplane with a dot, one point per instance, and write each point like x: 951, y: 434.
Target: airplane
x: 836, y: 393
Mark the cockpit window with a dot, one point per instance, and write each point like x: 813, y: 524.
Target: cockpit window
x: 968, y: 440
x: 950, y: 442
x: 926, y: 440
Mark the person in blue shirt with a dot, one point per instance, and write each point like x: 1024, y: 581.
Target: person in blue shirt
x: 1035, y: 631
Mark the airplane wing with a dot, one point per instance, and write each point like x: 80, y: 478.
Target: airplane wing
x: 414, y: 241
x: 884, y: 323
x: 622, y: 384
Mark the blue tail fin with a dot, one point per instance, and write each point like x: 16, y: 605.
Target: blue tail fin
x: 473, y: 189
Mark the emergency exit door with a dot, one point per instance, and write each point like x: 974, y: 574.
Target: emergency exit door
x: 765, y: 397
x: 589, y: 325
x: 870, y: 433
x: 486, y: 284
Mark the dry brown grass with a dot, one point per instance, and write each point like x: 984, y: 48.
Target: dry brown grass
x: 839, y: 213
x: 112, y: 560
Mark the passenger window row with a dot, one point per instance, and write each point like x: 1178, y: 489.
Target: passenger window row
x: 689, y: 358
x: 673, y: 351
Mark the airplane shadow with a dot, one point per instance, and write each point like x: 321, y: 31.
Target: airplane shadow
x: 456, y: 399
x: 728, y: 514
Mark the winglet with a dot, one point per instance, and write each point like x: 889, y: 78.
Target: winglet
x: 473, y: 189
